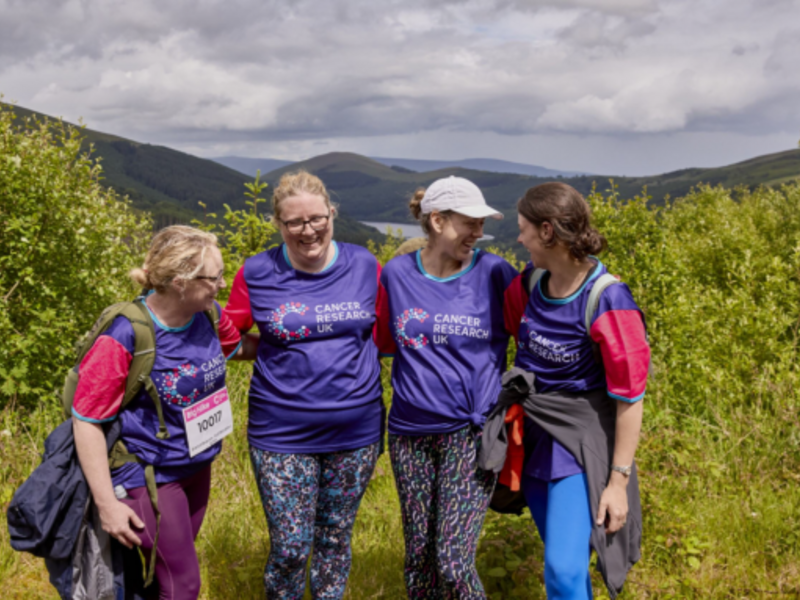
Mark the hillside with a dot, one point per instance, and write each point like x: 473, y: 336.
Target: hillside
x: 769, y: 169
x: 171, y: 184
x: 477, y: 164
x: 371, y: 191
x: 249, y: 166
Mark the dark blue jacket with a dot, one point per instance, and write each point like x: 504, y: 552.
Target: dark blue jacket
x: 46, y: 512
x: 48, y: 509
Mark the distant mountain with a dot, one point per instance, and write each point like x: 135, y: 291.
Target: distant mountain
x: 371, y: 191
x: 171, y: 184
x: 249, y: 166
x: 477, y: 164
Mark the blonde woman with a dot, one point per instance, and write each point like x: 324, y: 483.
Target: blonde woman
x: 182, y: 273
x: 315, y: 396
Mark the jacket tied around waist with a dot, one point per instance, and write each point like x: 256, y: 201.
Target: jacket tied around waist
x: 585, y: 425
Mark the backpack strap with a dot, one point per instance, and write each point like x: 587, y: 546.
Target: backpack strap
x: 533, y: 279
x: 605, y: 280
x: 213, y: 316
x: 144, y: 356
x: 118, y: 456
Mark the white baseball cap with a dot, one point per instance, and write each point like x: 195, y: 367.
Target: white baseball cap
x: 459, y: 195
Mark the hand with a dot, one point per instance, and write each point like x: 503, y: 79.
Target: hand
x: 613, y: 509
x: 116, y: 519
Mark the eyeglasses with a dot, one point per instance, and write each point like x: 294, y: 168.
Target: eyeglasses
x: 215, y: 278
x: 317, y: 223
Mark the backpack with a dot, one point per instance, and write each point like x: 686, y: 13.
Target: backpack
x: 605, y: 280
x: 504, y: 500
x: 33, y: 530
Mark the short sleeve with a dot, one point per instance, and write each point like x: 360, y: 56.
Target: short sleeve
x: 383, y: 330
x: 230, y: 337
x: 515, y: 300
x: 238, y: 310
x: 103, y: 373
x: 618, y: 328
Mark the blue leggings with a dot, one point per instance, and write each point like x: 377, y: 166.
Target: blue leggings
x: 311, y: 500
x: 562, y: 514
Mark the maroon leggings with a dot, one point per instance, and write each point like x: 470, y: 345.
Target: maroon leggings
x: 183, y: 505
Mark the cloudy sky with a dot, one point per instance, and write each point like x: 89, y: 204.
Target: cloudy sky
x: 606, y: 86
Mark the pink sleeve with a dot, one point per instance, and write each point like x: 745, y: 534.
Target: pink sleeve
x: 237, y: 309
x: 382, y: 333
x: 514, y: 301
x: 229, y: 336
x: 101, y: 385
x: 626, y: 354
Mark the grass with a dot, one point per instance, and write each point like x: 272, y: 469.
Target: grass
x: 721, y: 506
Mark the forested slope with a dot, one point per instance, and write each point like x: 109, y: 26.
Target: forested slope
x: 170, y: 185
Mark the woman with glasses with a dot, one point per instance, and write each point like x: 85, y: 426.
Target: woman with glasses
x: 315, y: 397
x: 183, y: 273
x: 442, y: 319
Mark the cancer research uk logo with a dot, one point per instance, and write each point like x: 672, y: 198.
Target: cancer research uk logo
x: 547, y: 349
x: 170, y: 388
x: 279, y: 315
x: 410, y: 314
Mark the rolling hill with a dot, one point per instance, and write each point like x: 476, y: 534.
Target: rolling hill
x: 371, y: 191
x: 171, y: 184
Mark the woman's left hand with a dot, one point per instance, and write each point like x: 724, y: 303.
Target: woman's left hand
x: 613, y: 509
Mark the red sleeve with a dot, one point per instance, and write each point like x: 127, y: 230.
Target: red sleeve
x: 626, y: 354
x: 238, y: 309
x: 229, y: 336
x: 101, y: 385
x: 514, y: 302
x: 382, y: 332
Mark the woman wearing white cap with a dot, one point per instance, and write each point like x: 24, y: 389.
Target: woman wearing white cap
x: 441, y: 315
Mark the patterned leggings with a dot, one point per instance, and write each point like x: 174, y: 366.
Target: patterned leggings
x: 443, y: 499
x: 311, y: 499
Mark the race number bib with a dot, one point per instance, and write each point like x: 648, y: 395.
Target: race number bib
x: 208, y: 421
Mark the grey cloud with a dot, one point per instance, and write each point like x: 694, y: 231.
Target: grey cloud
x: 247, y: 70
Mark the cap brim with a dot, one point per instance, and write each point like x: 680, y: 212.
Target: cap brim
x: 479, y: 212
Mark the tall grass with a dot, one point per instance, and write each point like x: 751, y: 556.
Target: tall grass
x: 719, y: 457
x: 721, y: 508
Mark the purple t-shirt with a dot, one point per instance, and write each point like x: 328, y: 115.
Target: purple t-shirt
x: 449, y: 341
x: 316, y: 379
x: 189, y: 367
x: 553, y: 343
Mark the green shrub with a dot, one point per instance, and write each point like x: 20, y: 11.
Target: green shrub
x: 242, y: 233
x: 66, y: 245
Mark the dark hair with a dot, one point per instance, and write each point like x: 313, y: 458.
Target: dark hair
x: 567, y: 211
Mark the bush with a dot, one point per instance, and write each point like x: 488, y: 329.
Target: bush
x: 242, y: 234
x: 66, y: 245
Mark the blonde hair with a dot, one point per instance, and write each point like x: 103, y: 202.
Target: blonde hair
x: 293, y: 184
x: 176, y: 252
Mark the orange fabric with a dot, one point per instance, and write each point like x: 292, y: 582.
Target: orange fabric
x: 515, y: 455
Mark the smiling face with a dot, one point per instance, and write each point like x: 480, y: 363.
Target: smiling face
x: 199, y: 292
x: 456, y: 234
x: 307, y: 247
